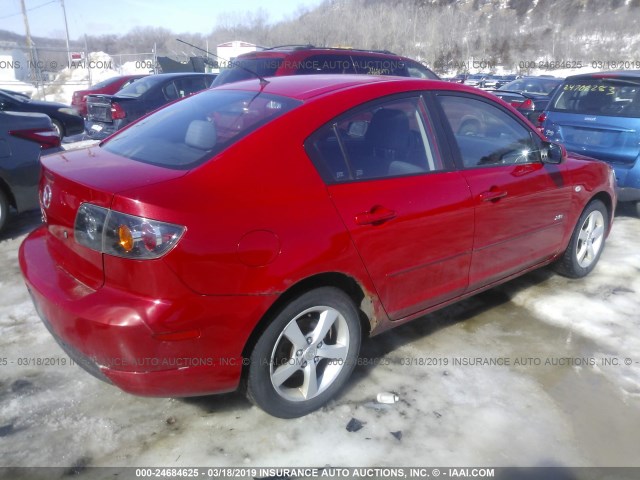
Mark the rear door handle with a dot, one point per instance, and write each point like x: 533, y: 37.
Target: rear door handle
x: 493, y: 195
x: 375, y: 216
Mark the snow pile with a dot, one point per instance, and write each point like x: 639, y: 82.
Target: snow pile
x: 83, y: 73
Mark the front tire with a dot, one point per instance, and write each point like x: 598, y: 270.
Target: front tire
x: 306, y: 355
x: 57, y: 126
x: 587, y: 242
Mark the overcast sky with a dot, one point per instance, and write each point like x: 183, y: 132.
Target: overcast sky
x: 120, y: 16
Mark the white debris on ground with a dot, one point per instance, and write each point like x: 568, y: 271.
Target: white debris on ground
x: 451, y: 410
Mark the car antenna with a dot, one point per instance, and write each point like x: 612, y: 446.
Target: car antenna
x: 263, y: 81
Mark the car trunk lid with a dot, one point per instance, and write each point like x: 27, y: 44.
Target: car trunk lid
x: 91, y: 175
x: 607, y: 138
x: 101, y: 108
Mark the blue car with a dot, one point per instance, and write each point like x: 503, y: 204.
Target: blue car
x: 598, y: 115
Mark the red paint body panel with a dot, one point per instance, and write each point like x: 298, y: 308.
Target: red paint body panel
x: 421, y: 257
x: 524, y: 227
x: 259, y: 220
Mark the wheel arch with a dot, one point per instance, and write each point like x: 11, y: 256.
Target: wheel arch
x: 329, y: 279
x: 605, y: 198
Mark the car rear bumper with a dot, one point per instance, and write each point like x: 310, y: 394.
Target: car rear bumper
x: 101, y: 130
x: 113, y: 334
x: 628, y: 194
x: 627, y: 181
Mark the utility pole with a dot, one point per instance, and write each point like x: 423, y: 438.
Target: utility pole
x: 66, y: 27
x: 32, y: 63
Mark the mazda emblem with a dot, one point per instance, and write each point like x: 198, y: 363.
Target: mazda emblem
x: 46, y: 196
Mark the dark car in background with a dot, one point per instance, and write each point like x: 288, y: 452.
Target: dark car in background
x: 66, y: 120
x: 108, y: 86
x: 598, y: 114
x: 23, y: 138
x: 529, y: 95
x: 541, y: 85
x: 475, y: 80
x: 106, y: 114
x: 306, y: 60
x: 502, y: 80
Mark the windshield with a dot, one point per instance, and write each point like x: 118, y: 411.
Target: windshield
x: 599, y: 96
x: 197, y: 128
x: 242, y: 70
x: 139, y: 87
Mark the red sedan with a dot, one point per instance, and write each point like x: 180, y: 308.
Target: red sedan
x: 258, y: 230
x: 108, y: 86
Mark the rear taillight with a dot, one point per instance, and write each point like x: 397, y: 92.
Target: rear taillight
x: 526, y: 105
x: 47, y: 138
x: 117, y: 112
x: 122, y: 235
x: 542, y: 118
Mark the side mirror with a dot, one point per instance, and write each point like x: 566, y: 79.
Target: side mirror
x: 552, y: 153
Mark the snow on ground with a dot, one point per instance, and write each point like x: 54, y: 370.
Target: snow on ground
x: 449, y: 414
x: 602, y: 307
x: 81, y: 74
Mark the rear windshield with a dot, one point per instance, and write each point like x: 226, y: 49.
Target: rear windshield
x: 137, y: 88
x: 247, y: 69
x: 599, y: 96
x: 533, y: 85
x: 195, y: 129
x: 361, y: 64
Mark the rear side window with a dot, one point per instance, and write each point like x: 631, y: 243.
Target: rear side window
x: 242, y: 70
x: 190, y: 85
x: 606, y: 96
x: 487, y: 136
x: 313, y: 64
x: 195, y: 129
x: 380, y: 140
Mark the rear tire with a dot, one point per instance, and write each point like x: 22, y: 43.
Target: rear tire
x: 57, y: 126
x: 306, y: 355
x: 4, y: 209
x: 587, y: 242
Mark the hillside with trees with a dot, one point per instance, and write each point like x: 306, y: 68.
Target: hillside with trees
x: 444, y: 34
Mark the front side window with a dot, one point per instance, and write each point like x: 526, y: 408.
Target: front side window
x: 604, y: 96
x: 486, y: 135
x: 197, y: 128
x: 381, y: 140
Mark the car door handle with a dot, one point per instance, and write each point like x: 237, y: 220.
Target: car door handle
x: 375, y: 216
x: 492, y: 195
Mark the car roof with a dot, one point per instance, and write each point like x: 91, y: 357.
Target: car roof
x: 178, y: 74
x: 632, y: 74
x: 305, y: 87
x: 301, y: 51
